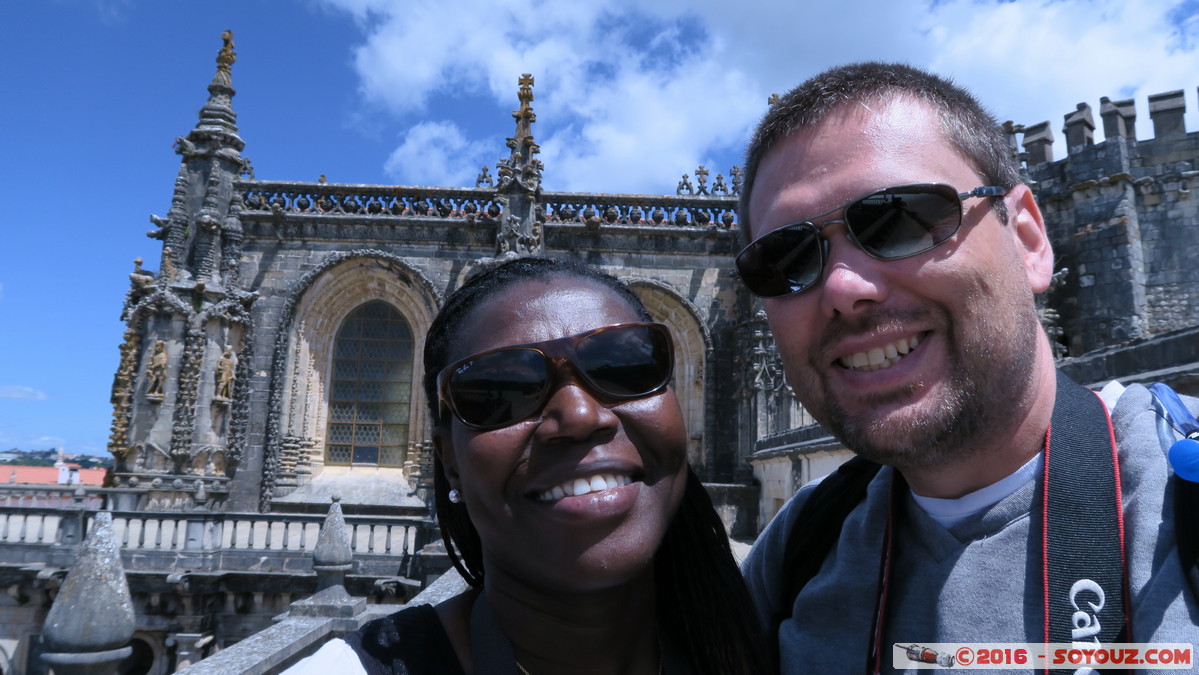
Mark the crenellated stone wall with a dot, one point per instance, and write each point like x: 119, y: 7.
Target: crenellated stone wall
x: 1122, y: 221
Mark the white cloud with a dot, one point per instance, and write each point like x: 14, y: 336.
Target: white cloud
x: 1036, y: 60
x: 437, y: 153
x: 21, y: 393
x: 630, y: 94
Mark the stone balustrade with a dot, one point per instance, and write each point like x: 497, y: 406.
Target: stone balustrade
x: 279, y: 198
x: 226, y: 540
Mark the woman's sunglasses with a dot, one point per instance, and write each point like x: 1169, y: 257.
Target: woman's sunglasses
x: 501, y: 387
x: 888, y: 224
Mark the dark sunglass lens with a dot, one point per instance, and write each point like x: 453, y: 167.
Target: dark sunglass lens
x: 626, y: 362
x: 782, y: 262
x: 904, y: 221
x: 499, y: 388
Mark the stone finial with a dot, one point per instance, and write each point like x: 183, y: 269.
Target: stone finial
x: 1166, y: 111
x: 1119, y: 118
x: 333, y: 557
x: 225, y: 59
x: 484, y: 178
x: 332, y: 560
x: 1038, y: 143
x: 216, y: 132
x: 519, y: 183
x: 1080, y: 128
x: 684, y: 186
x: 93, y: 612
x: 701, y: 176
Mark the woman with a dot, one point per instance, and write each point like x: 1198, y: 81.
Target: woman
x: 564, y: 495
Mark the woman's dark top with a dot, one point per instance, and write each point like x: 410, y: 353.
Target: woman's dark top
x: 410, y: 642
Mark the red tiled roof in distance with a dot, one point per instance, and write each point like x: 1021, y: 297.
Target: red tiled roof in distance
x: 45, y: 475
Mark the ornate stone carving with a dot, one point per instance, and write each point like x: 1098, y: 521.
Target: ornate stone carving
x: 684, y: 186
x: 701, y: 176
x: 122, y: 396
x: 483, y: 179
x: 514, y: 240
x: 762, y: 366
x: 184, y: 147
x: 168, y: 271
x: 519, y: 186
x: 718, y: 186
x: 239, y: 416
x: 185, y: 396
x: 232, y: 236
x: 1050, y: 318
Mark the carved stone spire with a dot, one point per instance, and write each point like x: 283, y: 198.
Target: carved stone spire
x: 159, y: 395
x: 218, y: 122
x: 520, y: 184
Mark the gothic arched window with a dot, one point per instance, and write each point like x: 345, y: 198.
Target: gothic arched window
x: 372, y: 385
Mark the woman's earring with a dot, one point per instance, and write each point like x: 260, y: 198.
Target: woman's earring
x: 455, y: 497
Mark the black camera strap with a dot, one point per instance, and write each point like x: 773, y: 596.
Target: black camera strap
x: 1082, y: 524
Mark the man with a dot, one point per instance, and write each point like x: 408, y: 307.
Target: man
x: 898, y: 253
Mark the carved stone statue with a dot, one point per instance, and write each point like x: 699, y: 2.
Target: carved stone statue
x: 226, y: 367
x: 156, y: 370
x: 225, y: 59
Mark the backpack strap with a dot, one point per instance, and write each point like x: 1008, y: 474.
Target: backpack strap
x: 817, y: 527
x: 1186, y: 528
x: 1186, y: 492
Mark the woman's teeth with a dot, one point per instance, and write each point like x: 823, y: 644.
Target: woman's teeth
x: 581, y: 486
x: 880, y: 357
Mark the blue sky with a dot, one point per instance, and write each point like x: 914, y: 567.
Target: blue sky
x: 630, y: 95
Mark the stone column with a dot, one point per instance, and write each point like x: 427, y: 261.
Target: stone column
x: 91, y: 622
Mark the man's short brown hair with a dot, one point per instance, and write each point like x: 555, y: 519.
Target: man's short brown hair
x: 965, y: 123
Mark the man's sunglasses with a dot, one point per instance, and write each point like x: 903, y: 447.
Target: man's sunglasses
x: 888, y: 224
x: 501, y: 387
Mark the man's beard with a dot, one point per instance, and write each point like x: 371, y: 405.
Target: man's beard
x: 989, y: 376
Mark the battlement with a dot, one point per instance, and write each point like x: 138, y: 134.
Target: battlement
x: 1166, y: 110
x: 1121, y: 220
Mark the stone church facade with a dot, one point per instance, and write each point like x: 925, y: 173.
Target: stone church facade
x: 274, y: 356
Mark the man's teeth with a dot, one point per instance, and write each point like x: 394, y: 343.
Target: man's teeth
x: 880, y: 357
x: 581, y: 486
